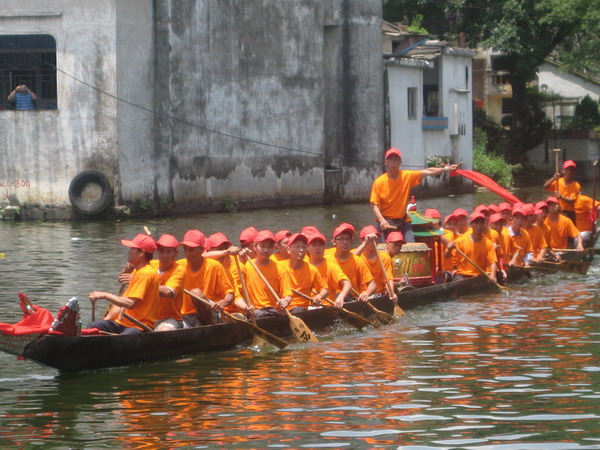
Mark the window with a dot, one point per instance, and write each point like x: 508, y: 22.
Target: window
x: 29, y: 60
x: 432, y: 100
x: 507, y: 105
x: 412, y: 103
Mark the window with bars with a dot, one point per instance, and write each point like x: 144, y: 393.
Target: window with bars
x: 413, y: 107
x: 31, y: 60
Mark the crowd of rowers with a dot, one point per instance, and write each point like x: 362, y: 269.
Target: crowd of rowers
x: 303, y: 272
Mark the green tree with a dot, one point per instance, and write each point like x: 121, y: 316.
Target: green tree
x: 587, y: 115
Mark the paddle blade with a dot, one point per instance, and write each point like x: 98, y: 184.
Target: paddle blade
x: 301, y: 331
x: 399, y: 312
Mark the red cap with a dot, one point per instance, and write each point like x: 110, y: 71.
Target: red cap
x: 460, y: 212
x: 248, y: 235
x: 141, y: 241
x: 368, y: 230
x: 216, y: 240
x: 343, y: 227
x: 540, y: 205
x: 308, y: 230
x: 297, y: 237
x: 569, y: 163
x: 281, y: 235
x: 482, y: 209
x: 496, y: 218
x: 528, y: 209
x: 552, y: 200
x: 264, y: 235
x: 392, y: 152
x: 519, y: 210
x: 504, y: 207
x: 395, y: 236
x: 316, y: 236
x: 166, y: 240
x: 433, y: 213
x: 493, y: 209
x: 476, y: 215
x: 450, y: 217
x: 193, y: 238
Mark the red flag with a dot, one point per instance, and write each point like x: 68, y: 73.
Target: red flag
x: 485, y: 181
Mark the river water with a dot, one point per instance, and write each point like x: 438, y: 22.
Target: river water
x: 512, y: 370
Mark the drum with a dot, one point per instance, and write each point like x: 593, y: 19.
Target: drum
x: 413, y: 260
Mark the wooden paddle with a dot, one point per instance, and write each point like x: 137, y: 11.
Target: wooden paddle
x: 301, y: 331
x: 483, y: 272
x: 142, y: 325
x: 356, y: 320
x: 382, y: 316
x: 389, y: 286
x: 257, y: 341
x: 556, y: 153
x: 269, y: 337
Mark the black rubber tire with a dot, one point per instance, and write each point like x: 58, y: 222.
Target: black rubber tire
x: 94, y: 204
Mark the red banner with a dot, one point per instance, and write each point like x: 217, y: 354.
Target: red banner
x: 487, y: 182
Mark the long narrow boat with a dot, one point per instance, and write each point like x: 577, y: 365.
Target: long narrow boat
x: 79, y: 353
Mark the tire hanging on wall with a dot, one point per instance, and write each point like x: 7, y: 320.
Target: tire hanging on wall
x: 90, y: 192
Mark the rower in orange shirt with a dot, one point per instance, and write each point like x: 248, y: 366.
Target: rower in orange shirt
x: 391, y: 191
x: 263, y: 304
x: 170, y: 278
x: 541, y: 208
x: 302, y: 277
x: 141, y: 297
x: 561, y: 227
x: 585, y: 217
x: 220, y: 248
x: 281, y: 244
x: 565, y: 188
x: 203, y: 277
x: 521, y: 237
x: 505, y: 210
x: 338, y: 284
x: 352, y: 265
x: 462, y: 221
x: 369, y: 236
x: 536, y: 234
x: 477, y: 248
x: 508, y: 251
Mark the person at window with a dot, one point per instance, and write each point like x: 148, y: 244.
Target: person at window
x: 23, y: 97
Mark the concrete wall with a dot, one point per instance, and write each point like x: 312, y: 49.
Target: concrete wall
x: 566, y: 84
x: 263, y: 102
x: 43, y: 150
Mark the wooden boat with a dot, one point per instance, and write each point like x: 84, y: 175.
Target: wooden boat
x: 78, y: 353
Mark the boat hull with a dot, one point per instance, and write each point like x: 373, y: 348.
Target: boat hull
x: 78, y: 353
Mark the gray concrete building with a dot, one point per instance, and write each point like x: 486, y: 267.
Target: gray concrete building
x: 185, y: 105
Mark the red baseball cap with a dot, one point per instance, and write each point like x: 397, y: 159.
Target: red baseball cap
x: 493, y: 209
x: 482, y: 209
x: 476, y: 215
x: 552, y: 200
x: 496, y: 217
x: 449, y: 217
x: 216, y: 240
x: 519, y: 210
x: 297, y: 237
x: 343, y: 227
x: 368, y: 230
x: 248, y: 235
x: 460, y: 212
x: 281, y: 235
x: 264, y: 235
x: 569, y: 163
x: 504, y: 207
x: 528, y: 209
x: 193, y: 238
x: 308, y: 230
x: 393, y: 152
x: 142, y: 242
x: 540, y: 205
x: 396, y: 236
x: 316, y: 236
x: 166, y: 240
x: 433, y: 213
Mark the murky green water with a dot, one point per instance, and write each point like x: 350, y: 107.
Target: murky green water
x: 519, y: 369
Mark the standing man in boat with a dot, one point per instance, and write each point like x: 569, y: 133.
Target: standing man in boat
x: 141, y: 297
x: 204, y: 277
x: 561, y: 227
x: 565, y: 188
x: 390, y: 194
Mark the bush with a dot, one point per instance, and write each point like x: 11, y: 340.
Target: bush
x: 490, y: 164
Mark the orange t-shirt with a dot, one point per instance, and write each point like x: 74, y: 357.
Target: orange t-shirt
x: 306, y: 279
x: 508, y: 245
x: 170, y: 307
x: 448, y: 263
x: 583, y: 207
x: 375, y: 269
x: 212, y: 279
x: 538, y: 242
x: 560, y: 231
x: 571, y: 190
x: 144, y: 287
x: 391, y: 195
x: 333, y: 276
x: 482, y: 253
x: 523, y: 241
x: 355, y: 269
x: 259, y: 293
x: 277, y: 257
